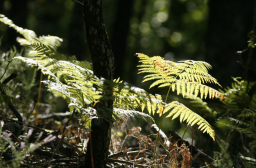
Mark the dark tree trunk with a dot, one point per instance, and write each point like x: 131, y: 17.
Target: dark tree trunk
x: 103, y: 66
x: 121, y: 31
x: 230, y: 21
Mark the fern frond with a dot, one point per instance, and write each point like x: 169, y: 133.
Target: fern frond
x: 28, y: 34
x: 167, y: 72
x: 186, y: 78
x: 132, y: 113
x: 241, y: 96
x: 127, y: 96
x: 176, y: 109
x: 248, y: 113
x: 189, y: 88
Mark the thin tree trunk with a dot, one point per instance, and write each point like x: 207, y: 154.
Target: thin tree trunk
x: 103, y: 66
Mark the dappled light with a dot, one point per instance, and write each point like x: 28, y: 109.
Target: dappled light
x: 113, y: 83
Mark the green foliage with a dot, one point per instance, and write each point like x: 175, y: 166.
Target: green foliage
x: 252, y: 41
x: 21, y: 90
x: 186, y: 77
x: 241, y: 113
x: 241, y: 96
x: 236, y: 123
x: 223, y: 158
x: 75, y: 82
x: 25, y: 75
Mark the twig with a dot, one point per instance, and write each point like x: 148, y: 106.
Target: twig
x: 164, y: 138
x: 192, y: 137
x: 175, y: 137
x: 11, y: 106
x: 161, y: 122
x: 184, y: 132
x: 6, y: 67
x: 91, y: 148
x: 79, y: 2
x: 125, y: 162
x: 9, y: 78
x: 22, y: 123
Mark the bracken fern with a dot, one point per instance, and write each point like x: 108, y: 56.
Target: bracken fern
x: 74, y: 80
x: 187, y: 78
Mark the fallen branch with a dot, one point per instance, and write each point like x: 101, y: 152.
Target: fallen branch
x: 198, y: 155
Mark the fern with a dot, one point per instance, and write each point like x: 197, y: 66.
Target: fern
x: 187, y: 78
x: 241, y: 95
x: 75, y: 81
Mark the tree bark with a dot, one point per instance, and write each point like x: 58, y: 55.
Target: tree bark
x: 103, y: 66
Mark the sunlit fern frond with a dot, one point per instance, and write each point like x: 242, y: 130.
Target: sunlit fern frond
x: 59, y: 68
x: 167, y: 72
x: 53, y: 41
x: 67, y: 79
x: 43, y: 44
x: 127, y: 96
x: 42, y: 49
x: 121, y: 113
x: 28, y: 34
x: 176, y: 109
x: 193, y: 88
x: 187, y: 78
x: 135, y: 97
x: 75, y: 82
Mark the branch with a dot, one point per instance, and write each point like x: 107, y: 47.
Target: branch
x: 6, y: 68
x: 12, y: 76
x: 11, y: 106
x: 202, y: 157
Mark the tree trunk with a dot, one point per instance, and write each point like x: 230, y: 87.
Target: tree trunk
x: 103, y: 66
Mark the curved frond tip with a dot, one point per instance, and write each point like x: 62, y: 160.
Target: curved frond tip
x: 176, y: 109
